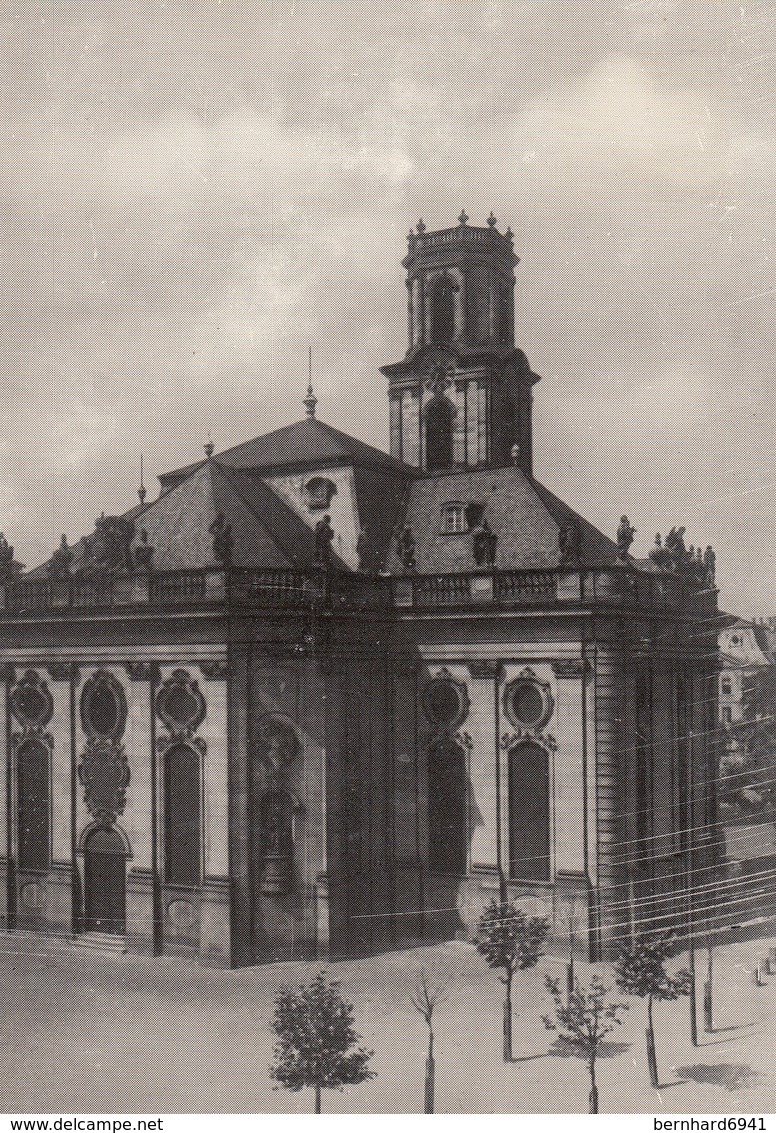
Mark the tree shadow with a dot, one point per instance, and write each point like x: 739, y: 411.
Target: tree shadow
x: 729, y: 1075
x: 605, y: 1050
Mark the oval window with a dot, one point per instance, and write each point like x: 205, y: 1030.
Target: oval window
x: 445, y: 702
x: 103, y: 707
x: 103, y: 711
x: 527, y: 703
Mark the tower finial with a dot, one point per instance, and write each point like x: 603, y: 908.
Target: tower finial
x: 310, y: 401
x: 141, y: 490
x: 209, y: 448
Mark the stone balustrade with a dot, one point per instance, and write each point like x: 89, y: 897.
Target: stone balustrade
x: 612, y: 586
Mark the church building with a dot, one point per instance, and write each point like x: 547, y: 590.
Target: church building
x: 318, y: 700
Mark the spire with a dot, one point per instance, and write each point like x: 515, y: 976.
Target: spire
x: 141, y: 490
x: 310, y: 401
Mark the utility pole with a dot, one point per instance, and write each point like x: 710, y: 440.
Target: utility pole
x: 689, y: 881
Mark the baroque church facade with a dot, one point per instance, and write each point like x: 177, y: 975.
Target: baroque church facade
x: 317, y: 700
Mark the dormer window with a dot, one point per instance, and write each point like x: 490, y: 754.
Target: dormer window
x: 318, y: 493
x: 454, y: 519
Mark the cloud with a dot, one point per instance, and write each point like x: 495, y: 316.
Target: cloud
x: 617, y: 120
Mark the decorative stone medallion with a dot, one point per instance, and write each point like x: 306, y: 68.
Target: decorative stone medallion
x: 31, y: 702
x: 104, y: 775
x: 180, y: 705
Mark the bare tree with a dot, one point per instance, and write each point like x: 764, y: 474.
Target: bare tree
x: 424, y: 997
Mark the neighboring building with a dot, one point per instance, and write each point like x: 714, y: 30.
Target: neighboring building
x: 745, y: 648
x: 316, y: 699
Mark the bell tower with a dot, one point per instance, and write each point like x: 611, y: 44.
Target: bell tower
x: 461, y: 398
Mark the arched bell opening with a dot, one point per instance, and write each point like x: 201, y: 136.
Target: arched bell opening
x: 438, y: 420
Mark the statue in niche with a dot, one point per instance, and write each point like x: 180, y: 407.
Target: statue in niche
x: 484, y: 542
x: 143, y: 553
x: 324, y: 536
x: 569, y: 545
x: 625, y: 536
x: 405, y: 548
x: 276, y: 815
x: 223, y: 541
x: 61, y: 561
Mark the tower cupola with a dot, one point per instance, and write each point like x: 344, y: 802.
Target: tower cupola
x: 462, y: 395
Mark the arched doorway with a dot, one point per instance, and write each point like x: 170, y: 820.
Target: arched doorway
x: 105, y: 896
x: 529, y: 812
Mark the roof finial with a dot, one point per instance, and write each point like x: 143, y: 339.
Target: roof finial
x: 141, y: 490
x: 310, y: 401
x: 492, y: 222
x: 463, y: 218
x: 209, y: 448
x: 420, y: 226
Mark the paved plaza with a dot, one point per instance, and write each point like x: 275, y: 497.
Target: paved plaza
x: 92, y: 1033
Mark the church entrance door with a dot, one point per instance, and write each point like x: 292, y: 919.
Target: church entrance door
x: 105, y: 882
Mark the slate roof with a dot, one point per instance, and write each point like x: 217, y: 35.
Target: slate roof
x: 524, y: 515
x: 266, y: 532
x: 307, y: 442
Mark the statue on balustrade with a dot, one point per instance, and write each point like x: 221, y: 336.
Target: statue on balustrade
x: 658, y: 554
x: 108, y: 548
x: 61, y: 561
x: 143, y: 553
x: 675, y: 548
x: 484, y: 542
x: 223, y: 541
x: 8, y: 568
x: 569, y: 545
x: 710, y: 567
x: 405, y: 548
x: 367, y: 553
x: 625, y: 536
x: 324, y: 536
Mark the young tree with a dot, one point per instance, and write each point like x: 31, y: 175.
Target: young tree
x: 509, y: 939
x: 584, y: 1022
x: 640, y: 970
x: 424, y: 997
x: 316, y: 1044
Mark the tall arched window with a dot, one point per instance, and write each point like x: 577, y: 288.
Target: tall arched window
x: 443, y: 311
x: 529, y: 812
x: 182, y: 819
x: 33, y: 793
x: 439, y: 434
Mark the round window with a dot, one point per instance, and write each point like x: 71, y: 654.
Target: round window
x: 527, y: 703
x: 445, y: 702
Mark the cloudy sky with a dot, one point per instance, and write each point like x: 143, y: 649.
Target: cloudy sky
x: 194, y: 190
